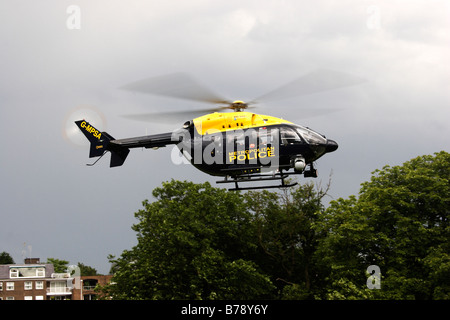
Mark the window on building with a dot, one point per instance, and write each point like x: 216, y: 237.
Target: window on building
x: 27, y: 272
x: 28, y: 298
x: 58, y: 287
x: 9, y: 286
x: 40, y: 272
x: 39, y: 284
x: 1, y: 286
x: 28, y: 285
x: 39, y: 298
x: 9, y: 298
x: 14, y: 273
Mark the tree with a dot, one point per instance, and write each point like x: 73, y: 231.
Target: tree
x: 194, y: 242
x: 60, y: 266
x: 286, y: 235
x: 86, y: 270
x: 5, y: 258
x: 400, y: 222
x: 200, y: 242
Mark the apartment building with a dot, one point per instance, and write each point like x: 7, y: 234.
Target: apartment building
x: 38, y: 281
x: 86, y: 288
x: 27, y: 281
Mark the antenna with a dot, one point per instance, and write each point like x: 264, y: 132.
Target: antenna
x: 24, y: 251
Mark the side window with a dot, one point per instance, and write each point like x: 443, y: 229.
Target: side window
x: 289, y: 136
x: 267, y: 136
x: 215, y: 138
x: 237, y: 139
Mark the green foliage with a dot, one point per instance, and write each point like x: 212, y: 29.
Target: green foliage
x: 200, y: 242
x: 286, y: 234
x: 400, y: 222
x: 5, y: 258
x: 194, y: 242
x: 60, y: 266
x: 86, y: 270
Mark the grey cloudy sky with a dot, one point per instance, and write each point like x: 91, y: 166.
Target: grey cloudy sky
x: 242, y: 49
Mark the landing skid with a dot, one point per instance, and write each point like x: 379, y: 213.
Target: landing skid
x: 259, y: 177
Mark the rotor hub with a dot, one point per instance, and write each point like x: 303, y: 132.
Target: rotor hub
x: 238, y: 105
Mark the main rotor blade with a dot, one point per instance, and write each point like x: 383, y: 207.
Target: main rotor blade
x: 172, y: 115
x: 176, y: 85
x: 313, y: 82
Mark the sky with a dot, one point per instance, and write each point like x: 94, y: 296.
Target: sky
x: 65, y: 59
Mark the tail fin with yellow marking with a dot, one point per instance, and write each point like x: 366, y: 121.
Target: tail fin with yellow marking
x: 100, y: 144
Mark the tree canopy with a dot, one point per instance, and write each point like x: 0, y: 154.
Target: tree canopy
x: 62, y: 266
x: 200, y: 242
x: 5, y: 258
x: 400, y: 222
x: 195, y: 242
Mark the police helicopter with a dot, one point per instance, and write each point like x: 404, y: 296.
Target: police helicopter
x: 239, y: 146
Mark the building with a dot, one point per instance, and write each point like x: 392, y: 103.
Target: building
x: 86, y: 289
x: 27, y: 281
x: 38, y: 281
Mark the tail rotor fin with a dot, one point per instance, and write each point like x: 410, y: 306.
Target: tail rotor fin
x: 100, y: 144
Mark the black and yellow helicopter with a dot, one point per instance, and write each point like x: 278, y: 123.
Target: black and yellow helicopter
x: 240, y: 146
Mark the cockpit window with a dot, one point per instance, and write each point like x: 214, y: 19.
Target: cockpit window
x: 289, y: 136
x: 311, y: 136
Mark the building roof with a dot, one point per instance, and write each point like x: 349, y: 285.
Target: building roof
x: 4, y: 269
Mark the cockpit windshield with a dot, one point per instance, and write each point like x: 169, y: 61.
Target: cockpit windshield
x: 311, y: 136
x: 289, y: 136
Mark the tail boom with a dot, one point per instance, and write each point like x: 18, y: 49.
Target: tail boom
x: 102, y: 142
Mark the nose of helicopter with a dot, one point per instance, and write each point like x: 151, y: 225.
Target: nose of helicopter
x: 331, y: 145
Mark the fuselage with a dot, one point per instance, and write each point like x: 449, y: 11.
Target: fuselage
x: 226, y: 144
x: 236, y: 143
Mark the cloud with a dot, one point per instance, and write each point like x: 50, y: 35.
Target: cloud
x: 239, y: 49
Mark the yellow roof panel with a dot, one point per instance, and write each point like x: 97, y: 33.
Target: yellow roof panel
x: 219, y: 122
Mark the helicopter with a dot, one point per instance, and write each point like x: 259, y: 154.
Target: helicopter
x: 238, y: 146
